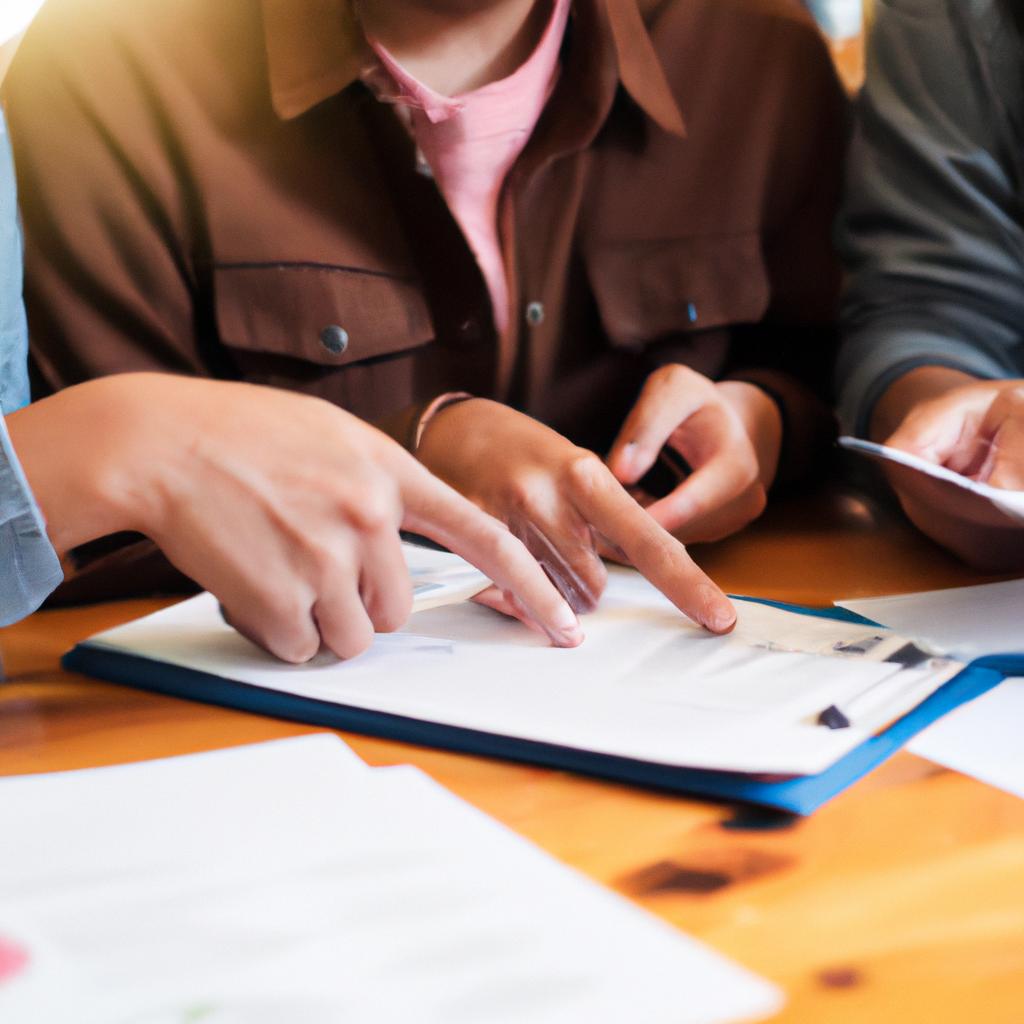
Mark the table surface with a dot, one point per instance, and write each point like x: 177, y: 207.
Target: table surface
x: 902, y: 900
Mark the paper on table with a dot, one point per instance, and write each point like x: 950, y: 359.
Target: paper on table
x: 967, y: 622
x: 983, y: 738
x: 646, y: 684
x: 282, y: 882
x: 441, y: 578
x: 1010, y: 503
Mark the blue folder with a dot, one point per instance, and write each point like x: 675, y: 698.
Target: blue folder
x: 801, y: 795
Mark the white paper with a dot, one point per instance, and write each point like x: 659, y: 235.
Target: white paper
x: 15, y: 17
x: 284, y: 882
x: 441, y: 578
x: 982, y: 739
x: 967, y: 622
x: 645, y: 684
x: 1010, y: 503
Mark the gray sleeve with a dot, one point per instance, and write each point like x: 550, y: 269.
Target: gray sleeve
x: 930, y: 228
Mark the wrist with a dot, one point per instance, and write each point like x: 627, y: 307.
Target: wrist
x: 76, y: 450
x: 451, y: 437
x: 910, y: 389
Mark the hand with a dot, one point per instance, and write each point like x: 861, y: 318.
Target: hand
x: 729, y: 433
x: 562, y: 500
x: 975, y: 428
x: 285, y: 507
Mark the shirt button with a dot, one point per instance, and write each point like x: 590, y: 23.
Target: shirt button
x: 334, y: 339
x: 535, y: 314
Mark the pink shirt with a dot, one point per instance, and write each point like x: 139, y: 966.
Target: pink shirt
x: 470, y: 142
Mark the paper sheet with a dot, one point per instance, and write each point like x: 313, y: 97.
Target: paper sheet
x: 1010, y: 503
x: 440, y: 578
x: 981, y: 739
x: 967, y: 622
x: 15, y: 17
x: 285, y: 882
x: 646, y: 683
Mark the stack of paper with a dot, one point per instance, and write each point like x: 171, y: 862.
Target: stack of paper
x: 287, y: 882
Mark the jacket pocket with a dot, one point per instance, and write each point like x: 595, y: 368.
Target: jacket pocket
x: 332, y: 316
x: 654, y: 289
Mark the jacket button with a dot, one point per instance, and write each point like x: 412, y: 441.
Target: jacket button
x: 334, y: 339
x: 535, y: 314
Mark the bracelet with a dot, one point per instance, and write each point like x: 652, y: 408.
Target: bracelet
x: 439, y: 403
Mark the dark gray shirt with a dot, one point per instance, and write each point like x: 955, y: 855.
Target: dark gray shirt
x: 931, y: 228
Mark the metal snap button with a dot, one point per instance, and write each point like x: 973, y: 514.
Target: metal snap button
x: 334, y: 339
x: 535, y: 314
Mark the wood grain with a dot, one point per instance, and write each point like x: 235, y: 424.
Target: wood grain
x: 902, y: 900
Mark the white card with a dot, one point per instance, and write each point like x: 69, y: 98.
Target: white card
x: 1010, y: 503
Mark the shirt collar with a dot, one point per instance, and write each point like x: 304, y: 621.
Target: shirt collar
x: 315, y: 49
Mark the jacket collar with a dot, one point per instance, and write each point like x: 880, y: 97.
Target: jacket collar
x: 315, y: 49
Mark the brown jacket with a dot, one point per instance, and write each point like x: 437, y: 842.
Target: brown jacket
x: 208, y: 188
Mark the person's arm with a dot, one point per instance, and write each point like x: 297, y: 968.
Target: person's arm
x: 930, y: 228
x: 565, y: 505
x: 768, y: 419
x: 283, y: 506
x: 931, y: 361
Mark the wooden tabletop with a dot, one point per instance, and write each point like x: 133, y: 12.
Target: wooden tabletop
x: 902, y: 900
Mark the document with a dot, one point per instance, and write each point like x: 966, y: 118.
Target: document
x: 983, y: 738
x: 965, y: 622
x: 288, y: 882
x: 646, y: 684
x: 440, y: 578
x: 1010, y: 503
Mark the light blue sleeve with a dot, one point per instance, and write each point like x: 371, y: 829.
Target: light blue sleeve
x: 29, y: 567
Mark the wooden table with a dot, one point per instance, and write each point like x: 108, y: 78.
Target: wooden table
x: 902, y: 900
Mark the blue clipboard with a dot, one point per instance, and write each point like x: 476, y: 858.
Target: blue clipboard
x: 802, y: 795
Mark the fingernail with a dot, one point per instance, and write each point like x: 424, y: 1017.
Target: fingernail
x: 719, y: 616
x: 564, y: 630
x: 568, y: 637
x: 566, y: 621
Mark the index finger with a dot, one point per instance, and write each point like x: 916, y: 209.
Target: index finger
x: 600, y: 499
x: 439, y: 512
